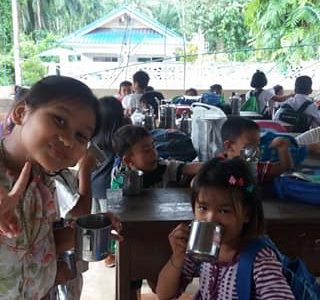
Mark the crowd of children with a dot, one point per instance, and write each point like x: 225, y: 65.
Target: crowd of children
x: 48, y: 130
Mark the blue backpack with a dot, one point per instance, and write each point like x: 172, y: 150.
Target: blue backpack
x: 211, y: 98
x: 267, y: 154
x: 288, y: 187
x: 302, y: 283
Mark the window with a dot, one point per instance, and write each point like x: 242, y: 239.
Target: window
x: 73, y: 58
x: 105, y: 59
x: 148, y: 59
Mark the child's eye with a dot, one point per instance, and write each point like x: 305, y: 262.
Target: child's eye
x: 82, y: 139
x: 224, y: 210
x: 60, y: 121
x: 201, y: 208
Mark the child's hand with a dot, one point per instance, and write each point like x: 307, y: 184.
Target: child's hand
x: 8, y: 203
x: 178, y: 239
x: 115, y: 225
x: 280, y: 143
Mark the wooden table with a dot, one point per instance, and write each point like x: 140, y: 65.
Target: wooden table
x: 148, y: 218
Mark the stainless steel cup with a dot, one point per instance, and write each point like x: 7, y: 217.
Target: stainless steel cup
x: 204, y: 240
x: 133, y: 182
x: 93, y: 237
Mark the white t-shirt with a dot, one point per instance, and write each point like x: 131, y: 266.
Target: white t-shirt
x: 296, y: 102
x: 131, y: 101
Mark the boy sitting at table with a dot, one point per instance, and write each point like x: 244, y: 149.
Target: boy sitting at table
x: 135, y: 150
x: 238, y: 132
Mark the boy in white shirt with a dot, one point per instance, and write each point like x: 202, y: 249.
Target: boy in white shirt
x: 132, y: 101
x: 303, y: 88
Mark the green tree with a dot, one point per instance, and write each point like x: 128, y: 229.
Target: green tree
x: 290, y: 28
x: 222, y: 24
x: 6, y: 26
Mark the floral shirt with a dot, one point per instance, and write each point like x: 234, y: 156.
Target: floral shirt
x: 28, y: 262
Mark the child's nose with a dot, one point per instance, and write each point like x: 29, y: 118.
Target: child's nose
x: 66, y: 139
x: 212, y: 217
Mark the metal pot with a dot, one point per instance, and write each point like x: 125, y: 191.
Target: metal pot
x: 133, y: 182
x: 185, y: 124
x: 93, y: 237
x: 167, y: 116
x: 204, y: 240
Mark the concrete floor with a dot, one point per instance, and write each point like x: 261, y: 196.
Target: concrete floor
x: 99, y: 284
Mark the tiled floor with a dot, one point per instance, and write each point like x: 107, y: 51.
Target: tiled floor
x: 99, y: 284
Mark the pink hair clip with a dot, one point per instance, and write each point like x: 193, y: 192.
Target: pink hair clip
x: 236, y: 182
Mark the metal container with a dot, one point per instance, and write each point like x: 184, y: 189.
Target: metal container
x: 167, y: 116
x: 235, y: 104
x: 132, y: 182
x: 204, y: 240
x: 185, y: 124
x: 251, y: 155
x: 93, y: 237
x: 69, y: 257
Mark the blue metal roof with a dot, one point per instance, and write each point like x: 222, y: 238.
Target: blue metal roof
x: 118, y: 36
x: 93, y: 34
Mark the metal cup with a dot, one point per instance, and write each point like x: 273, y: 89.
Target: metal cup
x: 133, y: 182
x: 204, y: 240
x: 93, y: 237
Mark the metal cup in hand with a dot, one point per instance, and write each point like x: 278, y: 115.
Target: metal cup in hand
x: 204, y: 240
x: 93, y: 237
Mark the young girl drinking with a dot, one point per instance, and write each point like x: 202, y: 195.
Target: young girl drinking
x: 223, y: 192
x: 49, y: 131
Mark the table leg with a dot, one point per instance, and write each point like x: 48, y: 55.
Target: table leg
x: 123, y: 271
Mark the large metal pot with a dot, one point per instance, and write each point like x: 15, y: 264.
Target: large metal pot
x: 204, y: 240
x: 93, y: 237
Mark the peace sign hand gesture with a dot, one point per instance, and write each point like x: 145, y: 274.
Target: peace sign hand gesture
x: 8, y: 202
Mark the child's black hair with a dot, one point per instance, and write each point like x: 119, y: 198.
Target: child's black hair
x: 142, y: 78
x: 303, y: 85
x: 191, y: 92
x: 258, y: 80
x: 62, y: 88
x: 235, y: 176
x: 277, y: 88
x: 235, y: 126
x: 216, y: 88
x: 124, y: 83
x: 112, y: 118
x: 126, y: 137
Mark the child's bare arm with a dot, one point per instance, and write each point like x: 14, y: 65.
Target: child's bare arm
x: 192, y: 169
x: 86, y: 166
x: 169, y: 277
x: 64, y: 239
x: 285, y: 159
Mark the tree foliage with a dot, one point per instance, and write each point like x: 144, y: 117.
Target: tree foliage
x: 290, y: 28
x: 6, y: 26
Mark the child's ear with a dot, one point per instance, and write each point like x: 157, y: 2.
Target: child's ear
x: 227, y: 145
x: 18, y: 113
x: 127, y: 160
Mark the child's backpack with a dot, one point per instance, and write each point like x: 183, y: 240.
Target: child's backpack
x: 174, y: 144
x: 296, y: 186
x: 303, y: 284
x: 252, y: 104
x: 298, y: 153
x: 300, y: 121
x: 211, y: 98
